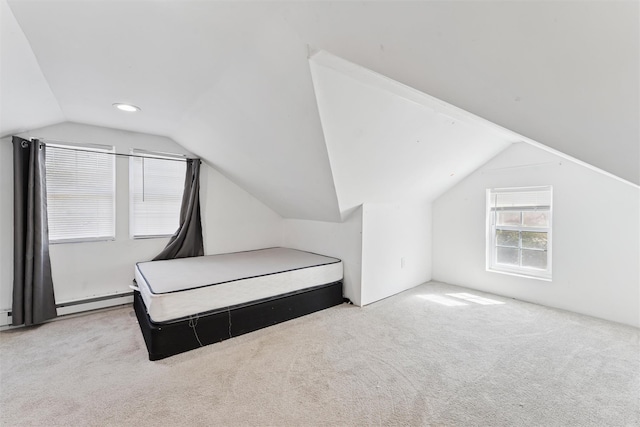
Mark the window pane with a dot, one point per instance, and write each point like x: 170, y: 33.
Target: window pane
x: 534, y: 240
x: 156, y: 195
x: 519, y: 230
x: 535, y: 218
x: 509, y: 218
x: 507, y: 238
x: 507, y: 256
x: 80, y: 193
x: 535, y: 259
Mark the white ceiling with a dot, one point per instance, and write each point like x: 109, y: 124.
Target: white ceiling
x: 231, y: 81
x: 26, y: 101
x: 390, y: 143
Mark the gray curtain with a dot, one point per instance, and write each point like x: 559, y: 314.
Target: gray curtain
x: 187, y: 241
x: 33, y: 298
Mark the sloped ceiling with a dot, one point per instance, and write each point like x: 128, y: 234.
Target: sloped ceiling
x: 389, y: 143
x: 231, y: 81
x: 26, y: 101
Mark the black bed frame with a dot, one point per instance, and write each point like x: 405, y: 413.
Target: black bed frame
x: 170, y: 338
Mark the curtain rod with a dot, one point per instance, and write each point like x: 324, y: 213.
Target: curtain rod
x: 186, y: 159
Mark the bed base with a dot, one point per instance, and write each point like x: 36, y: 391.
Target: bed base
x: 171, y: 338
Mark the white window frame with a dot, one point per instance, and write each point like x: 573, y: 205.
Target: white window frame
x: 137, y: 153
x: 108, y: 150
x: 491, y: 250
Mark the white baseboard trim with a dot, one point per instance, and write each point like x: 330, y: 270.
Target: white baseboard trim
x: 75, y: 307
x: 94, y: 304
x: 5, y: 318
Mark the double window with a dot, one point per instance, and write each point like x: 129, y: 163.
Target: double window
x: 519, y: 231
x: 81, y: 193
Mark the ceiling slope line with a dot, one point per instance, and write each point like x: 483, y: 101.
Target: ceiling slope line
x: 386, y: 148
x: 379, y: 81
x: 26, y: 69
x: 575, y: 160
x: 37, y: 60
x: 343, y: 214
x: 367, y: 76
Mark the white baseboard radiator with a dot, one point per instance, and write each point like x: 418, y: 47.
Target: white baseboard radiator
x: 5, y: 318
x: 79, y: 306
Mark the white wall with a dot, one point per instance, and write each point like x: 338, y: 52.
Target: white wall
x: 6, y: 222
x: 341, y: 240
x: 371, y: 243
x: 232, y: 220
x: 396, y: 248
x: 596, y: 236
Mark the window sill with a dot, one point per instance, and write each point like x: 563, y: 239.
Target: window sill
x: 84, y: 240
x: 520, y: 274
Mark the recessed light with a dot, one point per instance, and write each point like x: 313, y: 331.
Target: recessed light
x: 126, y: 107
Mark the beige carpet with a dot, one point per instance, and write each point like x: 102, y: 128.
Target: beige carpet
x: 406, y: 360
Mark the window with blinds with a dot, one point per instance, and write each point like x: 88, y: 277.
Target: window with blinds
x: 519, y: 231
x: 156, y: 185
x: 80, y: 192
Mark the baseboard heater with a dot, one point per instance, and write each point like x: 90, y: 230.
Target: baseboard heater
x: 88, y: 304
x: 79, y: 306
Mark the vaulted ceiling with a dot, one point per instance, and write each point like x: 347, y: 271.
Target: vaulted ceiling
x: 233, y: 82
x: 389, y: 142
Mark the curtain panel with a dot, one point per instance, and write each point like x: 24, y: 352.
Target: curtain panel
x: 33, y: 295
x: 187, y: 240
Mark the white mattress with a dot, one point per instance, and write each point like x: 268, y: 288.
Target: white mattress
x: 178, y: 288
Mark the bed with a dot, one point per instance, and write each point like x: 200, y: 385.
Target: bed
x: 186, y: 303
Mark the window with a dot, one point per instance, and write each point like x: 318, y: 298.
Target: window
x: 156, y: 184
x: 519, y: 231
x: 80, y: 192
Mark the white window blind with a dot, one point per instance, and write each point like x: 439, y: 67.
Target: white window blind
x: 80, y: 192
x: 535, y: 198
x: 156, y: 187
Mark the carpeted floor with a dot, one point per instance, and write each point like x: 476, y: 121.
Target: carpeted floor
x: 406, y: 360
